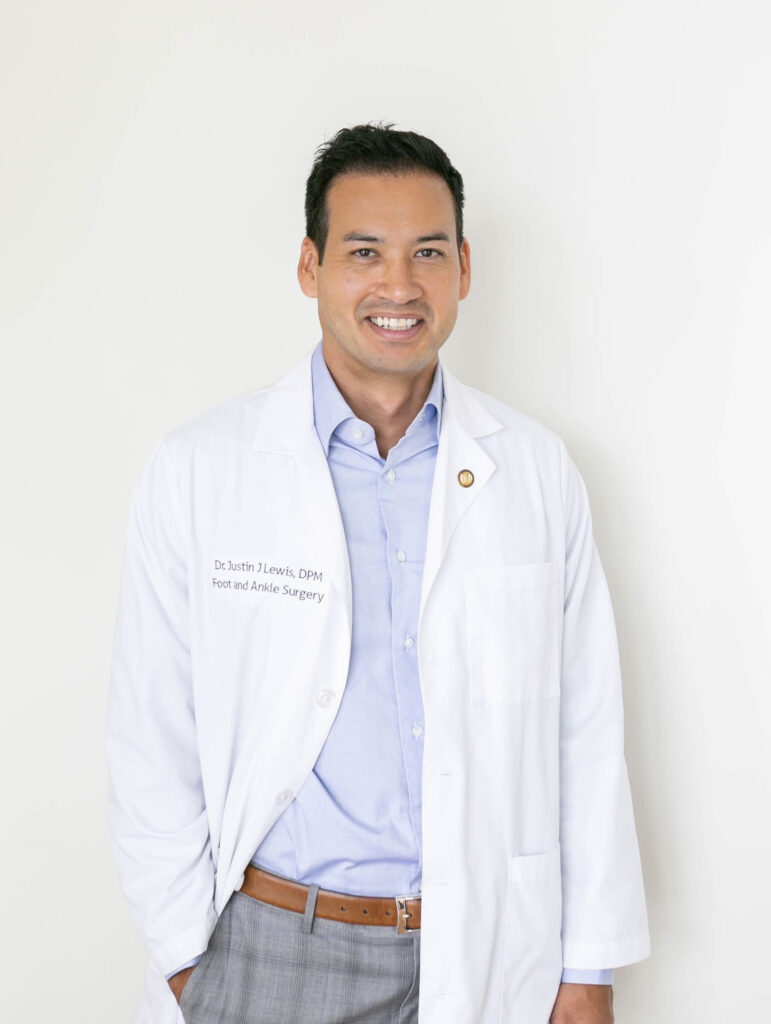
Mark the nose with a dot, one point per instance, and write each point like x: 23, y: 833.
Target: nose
x: 399, y: 282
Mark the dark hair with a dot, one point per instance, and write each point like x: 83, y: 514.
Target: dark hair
x: 373, y: 149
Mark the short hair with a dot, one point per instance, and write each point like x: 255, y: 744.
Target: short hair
x: 374, y: 149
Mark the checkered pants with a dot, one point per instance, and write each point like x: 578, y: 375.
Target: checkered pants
x: 266, y: 965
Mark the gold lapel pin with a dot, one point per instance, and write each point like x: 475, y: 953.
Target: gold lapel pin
x: 465, y: 478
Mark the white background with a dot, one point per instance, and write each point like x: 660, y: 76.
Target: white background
x: 617, y: 162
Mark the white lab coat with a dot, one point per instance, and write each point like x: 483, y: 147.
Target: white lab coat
x: 222, y: 697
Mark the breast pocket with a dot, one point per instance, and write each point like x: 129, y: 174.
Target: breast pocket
x: 512, y: 619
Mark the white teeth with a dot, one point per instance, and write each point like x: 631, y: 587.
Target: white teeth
x: 392, y: 324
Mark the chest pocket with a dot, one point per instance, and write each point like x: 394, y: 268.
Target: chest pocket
x: 512, y: 621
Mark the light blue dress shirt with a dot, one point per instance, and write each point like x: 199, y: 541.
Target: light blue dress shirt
x: 355, y: 825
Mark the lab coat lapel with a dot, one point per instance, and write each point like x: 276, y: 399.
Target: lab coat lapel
x: 303, y: 505
x: 463, y: 421
x: 303, y: 493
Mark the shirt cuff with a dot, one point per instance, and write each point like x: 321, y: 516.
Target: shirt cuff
x: 573, y: 977
x: 190, y: 963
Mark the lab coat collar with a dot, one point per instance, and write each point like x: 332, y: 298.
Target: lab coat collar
x: 286, y: 423
x: 286, y: 418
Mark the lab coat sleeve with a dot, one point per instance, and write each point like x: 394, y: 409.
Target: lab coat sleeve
x: 157, y: 811
x: 604, y: 921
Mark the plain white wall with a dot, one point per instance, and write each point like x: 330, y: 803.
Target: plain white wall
x: 617, y: 159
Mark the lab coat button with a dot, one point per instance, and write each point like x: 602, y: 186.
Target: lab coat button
x: 465, y: 478
x: 324, y: 698
x: 284, y: 796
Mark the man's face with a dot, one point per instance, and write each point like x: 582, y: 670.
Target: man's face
x: 391, y: 256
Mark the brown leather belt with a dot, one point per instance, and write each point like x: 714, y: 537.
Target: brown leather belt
x: 401, y: 911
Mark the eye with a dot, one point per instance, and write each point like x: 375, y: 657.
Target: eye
x: 363, y: 252
x: 430, y: 252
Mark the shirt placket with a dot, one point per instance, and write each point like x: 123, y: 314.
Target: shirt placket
x: 399, y: 496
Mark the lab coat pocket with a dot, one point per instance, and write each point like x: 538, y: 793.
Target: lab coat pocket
x: 532, y: 966
x: 511, y: 613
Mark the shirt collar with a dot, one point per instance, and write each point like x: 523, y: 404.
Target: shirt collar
x: 330, y: 409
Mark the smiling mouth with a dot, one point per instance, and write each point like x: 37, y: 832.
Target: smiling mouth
x: 396, y: 324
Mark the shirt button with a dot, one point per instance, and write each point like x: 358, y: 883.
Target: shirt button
x: 284, y: 796
x: 417, y: 731
x: 324, y: 698
x: 358, y: 435
x: 390, y: 475
x: 400, y: 555
x: 409, y: 643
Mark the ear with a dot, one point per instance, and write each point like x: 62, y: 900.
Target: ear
x: 307, y: 268
x: 465, y: 269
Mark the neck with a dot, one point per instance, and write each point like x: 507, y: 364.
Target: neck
x: 389, y: 402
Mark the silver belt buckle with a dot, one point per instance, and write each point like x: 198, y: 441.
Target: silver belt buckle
x: 402, y: 913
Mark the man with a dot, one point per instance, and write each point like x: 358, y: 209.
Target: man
x: 365, y: 731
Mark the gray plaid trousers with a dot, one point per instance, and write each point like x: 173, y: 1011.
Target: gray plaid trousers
x: 266, y: 965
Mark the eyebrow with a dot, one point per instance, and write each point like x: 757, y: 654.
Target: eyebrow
x: 357, y: 236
